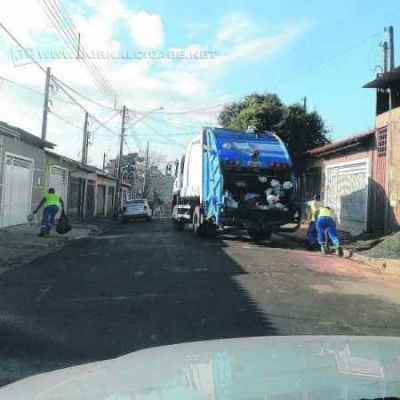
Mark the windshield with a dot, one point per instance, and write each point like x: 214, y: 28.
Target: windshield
x: 197, y: 172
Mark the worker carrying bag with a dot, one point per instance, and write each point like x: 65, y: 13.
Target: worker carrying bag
x: 63, y: 224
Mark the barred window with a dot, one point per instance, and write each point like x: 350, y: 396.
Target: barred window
x: 381, y: 142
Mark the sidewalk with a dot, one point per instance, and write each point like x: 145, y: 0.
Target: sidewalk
x: 380, y: 253
x: 20, y: 244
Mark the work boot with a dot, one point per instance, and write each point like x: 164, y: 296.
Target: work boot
x: 324, y: 250
x: 339, y: 251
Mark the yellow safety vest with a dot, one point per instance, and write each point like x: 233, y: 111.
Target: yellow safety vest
x: 52, y: 199
x: 314, y: 209
x: 326, y: 212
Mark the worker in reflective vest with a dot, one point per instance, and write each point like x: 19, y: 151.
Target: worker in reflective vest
x: 52, y: 203
x: 326, y: 226
x: 313, y: 207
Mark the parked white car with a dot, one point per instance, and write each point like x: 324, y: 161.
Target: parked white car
x: 135, y: 209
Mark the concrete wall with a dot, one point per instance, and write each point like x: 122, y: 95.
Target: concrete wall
x: 14, y: 145
x: 102, y: 181
x: 391, y: 120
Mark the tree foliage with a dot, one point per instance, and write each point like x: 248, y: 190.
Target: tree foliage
x: 300, y: 130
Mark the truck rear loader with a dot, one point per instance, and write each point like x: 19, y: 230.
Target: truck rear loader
x: 239, y: 179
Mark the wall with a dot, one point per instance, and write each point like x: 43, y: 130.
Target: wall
x: 314, y: 179
x: 52, y: 160
x: 15, y: 146
x: 391, y: 119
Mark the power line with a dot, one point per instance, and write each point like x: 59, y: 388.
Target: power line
x: 107, y: 121
x: 68, y: 34
x: 65, y: 120
x: 161, y: 135
x: 83, y: 96
x: 61, y: 21
x: 137, y: 140
x: 98, y: 73
x: 69, y: 39
x: 2, y: 78
x: 32, y: 90
x: 191, y: 111
x: 178, y: 126
x: 61, y: 83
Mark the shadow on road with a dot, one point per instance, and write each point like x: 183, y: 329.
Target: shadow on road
x: 142, y: 285
x: 278, y: 241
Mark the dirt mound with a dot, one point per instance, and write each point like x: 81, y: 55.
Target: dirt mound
x: 388, y: 247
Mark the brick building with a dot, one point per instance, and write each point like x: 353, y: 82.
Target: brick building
x: 387, y: 87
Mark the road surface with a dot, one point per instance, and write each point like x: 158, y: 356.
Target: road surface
x: 143, y: 284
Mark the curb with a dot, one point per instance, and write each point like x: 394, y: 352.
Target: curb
x: 383, y: 265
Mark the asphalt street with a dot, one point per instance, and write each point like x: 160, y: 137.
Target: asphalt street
x: 143, y: 284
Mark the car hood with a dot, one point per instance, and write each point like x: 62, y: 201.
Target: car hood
x: 252, y: 368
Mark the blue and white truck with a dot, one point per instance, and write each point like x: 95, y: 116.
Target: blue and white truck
x: 239, y: 179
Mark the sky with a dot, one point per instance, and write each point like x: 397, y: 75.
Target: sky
x: 175, y: 63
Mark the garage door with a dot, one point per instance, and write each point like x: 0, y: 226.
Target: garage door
x: 346, y: 191
x: 17, y: 192
x: 58, y: 179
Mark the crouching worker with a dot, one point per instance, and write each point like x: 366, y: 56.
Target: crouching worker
x: 326, y: 228
x: 52, y: 203
x: 313, y: 207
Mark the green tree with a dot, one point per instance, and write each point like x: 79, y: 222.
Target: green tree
x: 300, y: 130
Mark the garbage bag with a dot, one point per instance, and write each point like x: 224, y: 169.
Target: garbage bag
x: 63, y: 224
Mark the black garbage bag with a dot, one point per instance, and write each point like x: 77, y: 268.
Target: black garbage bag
x: 63, y: 224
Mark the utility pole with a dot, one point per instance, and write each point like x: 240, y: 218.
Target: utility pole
x: 46, y: 103
x: 146, y: 168
x: 385, y: 56
x: 85, y: 143
x: 390, y: 30
x: 305, y: 103
x: 121, y: 153
x: 78, y: 52
x: 104, y: 162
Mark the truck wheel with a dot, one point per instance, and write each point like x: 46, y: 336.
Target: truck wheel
x: 210, y: 230
x: 178, y: 225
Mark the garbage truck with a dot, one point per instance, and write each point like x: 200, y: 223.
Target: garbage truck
x: 231, y: 178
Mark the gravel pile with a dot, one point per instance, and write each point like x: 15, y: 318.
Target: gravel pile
x: 388, y: 247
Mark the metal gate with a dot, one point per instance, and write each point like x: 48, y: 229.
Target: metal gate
x: 90, y: 199
x: 75, y: 196
x: 58, y: 179
x: 110, y: 200
x: 346, y: 192
x: 101, y: 200
x: 17, y: 190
